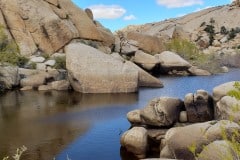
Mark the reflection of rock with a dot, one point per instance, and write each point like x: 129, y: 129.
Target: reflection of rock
x: 45, y: 130
x: 32, y: 122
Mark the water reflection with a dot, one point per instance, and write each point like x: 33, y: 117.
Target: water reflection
x: 48, y: 121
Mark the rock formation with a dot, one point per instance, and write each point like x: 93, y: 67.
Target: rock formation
x: 187, y: 139
x: 48, y: 25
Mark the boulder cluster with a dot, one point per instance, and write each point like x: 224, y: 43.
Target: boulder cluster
x: 196, y: 127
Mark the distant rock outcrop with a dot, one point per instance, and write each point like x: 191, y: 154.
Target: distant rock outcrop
x: 213, y: 30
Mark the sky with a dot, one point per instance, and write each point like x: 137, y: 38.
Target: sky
x: 117, y: 14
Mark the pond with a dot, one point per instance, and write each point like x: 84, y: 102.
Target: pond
x: 82, y: 126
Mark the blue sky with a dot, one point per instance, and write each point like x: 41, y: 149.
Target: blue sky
x: 116, y: 14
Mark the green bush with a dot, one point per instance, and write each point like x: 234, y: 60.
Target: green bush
x: 192, y: 54
x: 9, y: 51
x: 232, y: 34
x: 236, y: 92
x: 223, y: 30
x: 60, y: 63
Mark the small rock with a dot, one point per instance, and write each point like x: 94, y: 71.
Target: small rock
x: 55, y: 55
x: 225, y: 69
x: 50, y: 62
x: 37, y: 59
x: 62, y: 85
x: 183, y: 117
x: 134, y: 116
x: 194, y: 71
x: 41, y: 66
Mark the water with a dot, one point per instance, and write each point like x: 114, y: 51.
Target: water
x: 81, y: 126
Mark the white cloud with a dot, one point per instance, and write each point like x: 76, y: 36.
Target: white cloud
x: 107, y: 11
x: 129, y: 17
x: 179, y: 3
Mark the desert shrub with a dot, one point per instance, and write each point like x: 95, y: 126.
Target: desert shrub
x: 223, y: 30
x: 192, y: 54
x: 60, y: 63
x: 45, y: 55
x: 236, y: 92
x: 232, y: 140
x: 232, y: 34
x: 32, y: 65
x: 9, y: 51
x: 210, y: 29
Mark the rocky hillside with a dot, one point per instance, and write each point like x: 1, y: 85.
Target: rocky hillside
x: 213, y: 30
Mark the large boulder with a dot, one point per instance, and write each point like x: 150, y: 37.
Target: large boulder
x: 91, y: 71
x: 135, y: 141
x: 186, y: 142
x: 147, y: 43
x: 144, y: 78
x: 145, y: 60
x: 171, y: 61
x: 228, y: 108
x: 199, y: 106
x: 222, y: 90
x: 9, y: 76
x: 48, y: 25
x: 161, y: 112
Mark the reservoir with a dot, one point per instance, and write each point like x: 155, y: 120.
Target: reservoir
x: 79, y: 126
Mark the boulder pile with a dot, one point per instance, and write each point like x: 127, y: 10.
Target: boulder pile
x: 186, y: 129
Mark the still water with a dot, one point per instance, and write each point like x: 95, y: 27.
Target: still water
x: 81, y: 126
